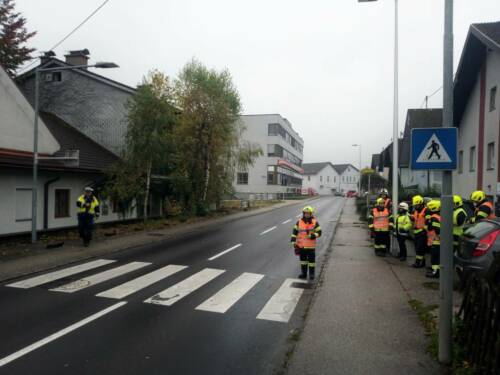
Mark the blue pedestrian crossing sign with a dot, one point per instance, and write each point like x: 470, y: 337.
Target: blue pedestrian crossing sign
x: 434, y: 148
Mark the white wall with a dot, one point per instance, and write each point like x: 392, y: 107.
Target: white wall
x: 325, y: 182
x: 17, y: 121
x: 349, y: 180
x: 13, y: 179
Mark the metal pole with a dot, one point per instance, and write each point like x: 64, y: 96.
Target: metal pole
x: 395, y: 135
x: 446, y: 250
x: 359, y: 182
x: 368, y: 196
x: 35, y: 162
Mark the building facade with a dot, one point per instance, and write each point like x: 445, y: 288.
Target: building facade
x: 327, y: 178
x: 477, y: 112
x: 279, y: 170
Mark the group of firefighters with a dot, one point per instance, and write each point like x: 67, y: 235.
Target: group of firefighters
x: 424, y: 220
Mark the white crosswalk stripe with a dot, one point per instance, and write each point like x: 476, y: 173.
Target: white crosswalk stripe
x: 60, y: 274
x: 178, y: 291
x: 282, y: 304
x: 141, y: 282
x: 232, y: 293
x: 100, y: 277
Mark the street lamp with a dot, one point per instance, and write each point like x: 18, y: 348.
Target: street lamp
x: 395, y: 132
x: 359, y: 180
x: 102, y: 65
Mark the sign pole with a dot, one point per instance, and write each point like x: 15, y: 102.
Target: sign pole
x: 446, y: 250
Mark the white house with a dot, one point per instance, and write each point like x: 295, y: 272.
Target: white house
x: 327, y: 178
x: 477, y: 112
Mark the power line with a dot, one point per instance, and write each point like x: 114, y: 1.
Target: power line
x: 430, y: 96
x: 69, y: 34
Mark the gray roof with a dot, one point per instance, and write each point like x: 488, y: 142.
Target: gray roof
x: 481, y: 37
x: 313, y: 168
x: 375, y: 161
x: 340, y: 168
x: 417, y: 118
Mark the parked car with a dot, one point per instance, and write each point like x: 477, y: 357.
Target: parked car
x: 351, y: 194
x: 477, y: 250
x: 338, y: 194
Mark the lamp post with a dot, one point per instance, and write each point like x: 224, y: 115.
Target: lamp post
x: 359, y: 180
x: 103, y: 65
x: 395, y: 131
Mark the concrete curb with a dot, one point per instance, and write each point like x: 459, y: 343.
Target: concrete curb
x: 76, y: 255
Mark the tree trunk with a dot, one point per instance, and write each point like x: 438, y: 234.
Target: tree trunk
x: 146, y: 197
x: 207, y: 179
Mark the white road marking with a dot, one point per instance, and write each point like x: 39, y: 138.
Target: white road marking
x: 299, y: 215
x: 268, y: 230
x: 178, y: 291
x: 99, y: 278
x: 229, y: 295
x: 141, y: 282
x: 224, y: 252
x: 58, y: 334
x: 287, y: 221
x: 56, y: 275
x: 282, y: 304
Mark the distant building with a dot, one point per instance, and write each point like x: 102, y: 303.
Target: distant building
x: 476, y: 112
x: 279, y: 170
x: 327, y: 178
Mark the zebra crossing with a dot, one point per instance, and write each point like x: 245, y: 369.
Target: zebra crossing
x: 279, y: 308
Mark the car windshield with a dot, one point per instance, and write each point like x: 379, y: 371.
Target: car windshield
x: 480, y: 229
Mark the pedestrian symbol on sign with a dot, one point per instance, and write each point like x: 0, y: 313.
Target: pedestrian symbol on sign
x: 434, y: 152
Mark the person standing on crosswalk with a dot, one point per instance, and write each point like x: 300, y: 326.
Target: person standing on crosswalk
x: 304, y: 236
x: 88, y: 210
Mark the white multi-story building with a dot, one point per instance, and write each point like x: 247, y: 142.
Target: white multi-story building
x: 327, y: 178
x: 279, y: 169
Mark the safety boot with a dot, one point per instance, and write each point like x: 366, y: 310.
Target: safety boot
x: 303, y: 274
x: 419, y: 263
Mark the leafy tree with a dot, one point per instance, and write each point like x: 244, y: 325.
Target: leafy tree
x: 13, y: 36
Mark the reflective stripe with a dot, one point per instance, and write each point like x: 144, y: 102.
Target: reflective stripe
x: 91, y: 209
x: 435, y: 267
x: 458, y: 230
x: 419, y: 257
x: 432, y: 237
x: 312, y: 265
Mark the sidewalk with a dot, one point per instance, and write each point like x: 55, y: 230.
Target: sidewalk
x: 40, y: 259
x: 360, y: 321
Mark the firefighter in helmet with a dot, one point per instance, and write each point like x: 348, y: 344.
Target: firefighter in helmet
x: 304, y: 237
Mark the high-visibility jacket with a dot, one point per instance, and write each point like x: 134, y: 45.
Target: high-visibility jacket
x: 403, y: 224
x: 388, y: 203
x: 434, y: 230
x: 305, y: 233
x: 381, y: 220
x: 82, y: 207
x: 459, y: 220
x: 418, y: 219
x: 485, y: 211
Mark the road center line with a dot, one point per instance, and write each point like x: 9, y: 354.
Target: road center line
x: 225, y: 252
x: 56, y: 335
x: 268, y: 230
x: 299, y: 215
x: 286, y: 221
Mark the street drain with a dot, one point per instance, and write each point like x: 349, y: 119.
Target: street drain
x: 302, y: 285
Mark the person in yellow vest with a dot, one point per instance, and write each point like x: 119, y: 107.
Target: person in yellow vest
x: 434, y: 235
x: 484, y: 208
x: 459, y: 220
x: 419, y: 230
x: 88, y: 210
x: 402, y: 229
x: 304, y: 236
x: 380, y: 222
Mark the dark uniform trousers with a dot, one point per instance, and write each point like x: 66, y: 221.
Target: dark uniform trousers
x: 85, y: 225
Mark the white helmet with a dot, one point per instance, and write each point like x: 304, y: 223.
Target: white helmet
x: 89, y: 189
x: 404, y: 206
x: 384, y: 191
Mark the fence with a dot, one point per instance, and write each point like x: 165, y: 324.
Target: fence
x: 479, y: 334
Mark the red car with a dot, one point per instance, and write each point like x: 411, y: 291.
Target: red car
x: 351, y: 194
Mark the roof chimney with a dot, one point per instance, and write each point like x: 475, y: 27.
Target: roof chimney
x: 47, y: 56
x: 80, y: 57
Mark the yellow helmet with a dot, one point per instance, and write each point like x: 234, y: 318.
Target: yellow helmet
x: 478, y: 196
x: 308, y: 209
x: 416, y: 200
x: 457, y: 201
x: 434, y: 205
x: 380, y: 201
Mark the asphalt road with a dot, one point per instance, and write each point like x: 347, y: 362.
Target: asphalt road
x: 221, y: 301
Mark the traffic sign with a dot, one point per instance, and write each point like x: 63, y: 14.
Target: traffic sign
x: 434, y: 148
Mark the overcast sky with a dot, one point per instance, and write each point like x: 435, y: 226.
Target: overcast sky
x: 325, y: 65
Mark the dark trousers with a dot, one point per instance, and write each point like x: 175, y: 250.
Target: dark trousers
x: 85, y: 226
x: 435, y: 257
x: 402, y: 246
x: 421, y: 245
x: 382, y: 242
x: 308, y: 261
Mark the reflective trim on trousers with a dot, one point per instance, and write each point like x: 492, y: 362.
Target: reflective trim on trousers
x: 435, y: 267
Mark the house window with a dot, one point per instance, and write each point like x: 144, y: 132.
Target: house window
x: 472, y: 159
x: 23, y: 204
x: 53, y: 77
x: 308, y: 178
x: 242, y: 178
x: 327, y: 178
x: 460, y: 161
x: 334, y: 179
x: 61, y: 203
x: 493, y: 98
x: 320, y: 178
x: 491, y: 156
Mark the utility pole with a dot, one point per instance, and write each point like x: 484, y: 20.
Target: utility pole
x: 446, y: 250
